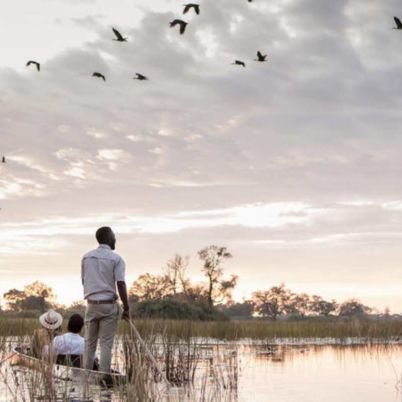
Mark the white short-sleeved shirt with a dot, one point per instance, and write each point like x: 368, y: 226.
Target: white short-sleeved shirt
x: 68, y: 344
x: 100, y: 270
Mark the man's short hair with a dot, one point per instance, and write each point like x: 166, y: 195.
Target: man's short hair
x: 103, y: 234
x: 75, y: 324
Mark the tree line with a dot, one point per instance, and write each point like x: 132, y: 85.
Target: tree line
x: 172, y: 294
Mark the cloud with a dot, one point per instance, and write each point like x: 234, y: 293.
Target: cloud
x: 252, y: 216
x: 300, y: 153
x: 216, y: 122
x: 288, y: 224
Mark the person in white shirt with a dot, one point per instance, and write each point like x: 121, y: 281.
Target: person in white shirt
x: 71, y: 343
x: 103, y: 276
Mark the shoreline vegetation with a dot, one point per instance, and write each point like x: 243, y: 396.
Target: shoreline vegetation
x: 370, y: 328
x: 171, y: 303
x: 197, y: 367
x: 173, y: 295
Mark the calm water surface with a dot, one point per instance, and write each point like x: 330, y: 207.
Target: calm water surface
x: 297, y: 373
x: 325, y: 373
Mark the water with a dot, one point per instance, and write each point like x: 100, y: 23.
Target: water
x: 280, y: 373
x: 324, y: 373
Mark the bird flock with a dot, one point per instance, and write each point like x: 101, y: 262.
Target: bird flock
x: 182, y: 25
x: 118, y: 37
x: 177, y: 22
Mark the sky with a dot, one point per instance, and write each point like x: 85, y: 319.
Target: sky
x: 293, y: 164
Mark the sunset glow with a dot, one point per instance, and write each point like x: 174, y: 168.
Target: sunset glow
x: 293, y: 164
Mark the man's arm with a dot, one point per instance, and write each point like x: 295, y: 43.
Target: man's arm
x: 122, y: 289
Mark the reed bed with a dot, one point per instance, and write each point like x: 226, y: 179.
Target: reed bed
x: 199, y: 359
x: 259, y: 330
x: 18, y: 326
x: 234, y: 330
x: 194, y: 372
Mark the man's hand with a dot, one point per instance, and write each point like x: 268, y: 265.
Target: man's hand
x: 122, y: 288
x: 125, y: 315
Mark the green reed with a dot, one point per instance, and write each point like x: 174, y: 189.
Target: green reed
x: 215, y: 379
x: 233, y: 330
x: 309, y: 328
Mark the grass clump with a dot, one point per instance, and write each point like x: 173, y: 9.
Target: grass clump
x: 363, y: 327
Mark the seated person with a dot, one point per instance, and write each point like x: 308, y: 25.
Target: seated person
x: 43, y: 337
x: 69, y: 347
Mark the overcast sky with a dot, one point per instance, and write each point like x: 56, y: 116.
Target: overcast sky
x: 295, y: 164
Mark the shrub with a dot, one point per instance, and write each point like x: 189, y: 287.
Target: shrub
x: 176, y: 310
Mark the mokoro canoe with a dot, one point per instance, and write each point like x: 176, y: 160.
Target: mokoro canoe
x: 66, y: 373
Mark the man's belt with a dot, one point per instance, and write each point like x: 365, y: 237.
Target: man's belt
x: 100, y: 301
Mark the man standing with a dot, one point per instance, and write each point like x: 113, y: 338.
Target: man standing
x: 101, y: 270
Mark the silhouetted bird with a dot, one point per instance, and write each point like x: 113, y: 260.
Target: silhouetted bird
x: 3, y: 159
x: 99, y: 75
x: 398, y: 23
x: 35, y: 63
x: 261, y: 57
x: 140, y: 77
x: 187, y: 8
x: 239, y: 63
x: 119, y: 37
x: 181, y: 23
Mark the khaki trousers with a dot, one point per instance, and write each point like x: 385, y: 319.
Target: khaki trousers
x: 100, y: 323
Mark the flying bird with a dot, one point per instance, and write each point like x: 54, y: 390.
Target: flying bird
x: 99, y: 75
x: 119, y: 37
x: 35, y: 63
x: 181, y: 23
x: 188, y: 6
x: 261, y: 57
x: 140, y: 77
x: 239, y: 63
x: 398, y: 23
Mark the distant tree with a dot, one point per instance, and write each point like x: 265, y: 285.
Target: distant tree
x: 196, y: 293
x: 223, y: 293
x: 239, y: 310
x: 13, y: 299
x: 39, y: 289
x: 151, y: 287
x: 35, y: 296
x: 213, y: 258
x: 322, y: 307
x: 172, y: 308
x: 38, y: 303
x: 133, y: 298
x: 296, y: 304
x: 271, y: 303
x: 265, y: 305
x: 353, y: 307
x: 175, y: 273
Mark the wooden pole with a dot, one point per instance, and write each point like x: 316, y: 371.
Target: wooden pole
x: 6, y: 358
x: 149, y: 354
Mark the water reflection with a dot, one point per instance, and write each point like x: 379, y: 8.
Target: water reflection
x: 274, y: 372
x: 330, y: 373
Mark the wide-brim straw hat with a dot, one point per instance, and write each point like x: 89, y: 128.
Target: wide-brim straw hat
x: 51, y: 319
